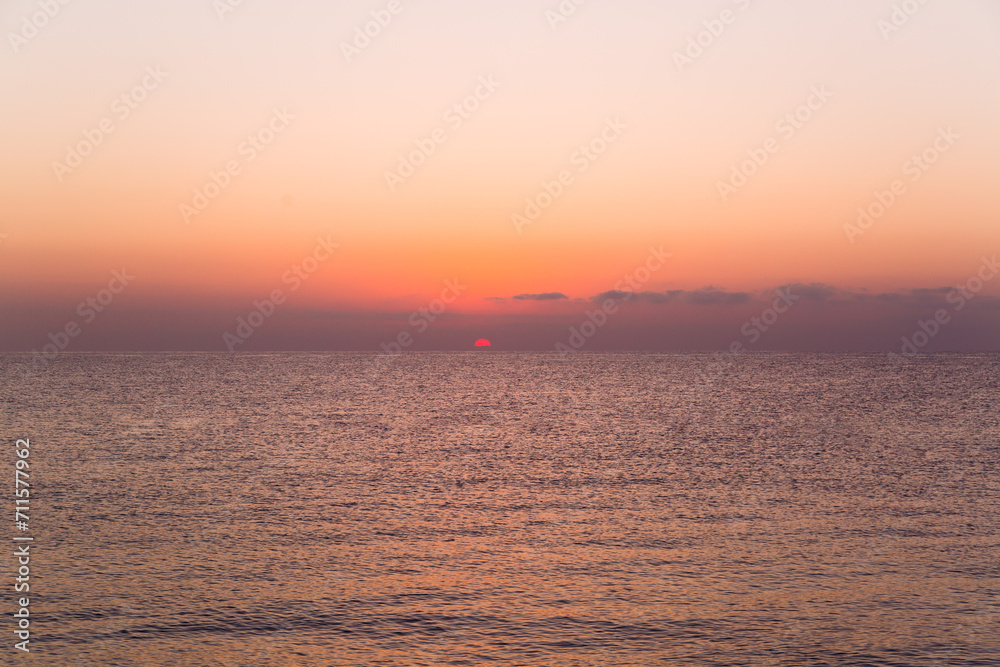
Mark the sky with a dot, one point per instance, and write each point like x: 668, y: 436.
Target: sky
x: 393, y: 175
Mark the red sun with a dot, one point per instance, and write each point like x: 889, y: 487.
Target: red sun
x: 482, y: 342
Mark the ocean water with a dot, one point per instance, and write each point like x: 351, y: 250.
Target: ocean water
x: 507, y: 509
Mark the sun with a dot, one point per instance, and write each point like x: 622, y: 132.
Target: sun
x: 482, y: 342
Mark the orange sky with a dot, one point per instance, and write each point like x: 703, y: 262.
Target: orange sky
x: 261, y: 109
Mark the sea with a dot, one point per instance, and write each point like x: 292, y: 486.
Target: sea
x: 500, y: 508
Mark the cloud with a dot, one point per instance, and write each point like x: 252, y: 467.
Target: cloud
x: 816, y: 292
x: 917, y: 295
x: 711, y: 296
x: 617, y: 295
x: 812, y: 291
x: 708, y: 296
x: 547, y: 296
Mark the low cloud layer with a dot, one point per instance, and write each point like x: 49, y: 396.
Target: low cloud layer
x: 708, y: 296
x: 546, y: 296
x: 794, y: 317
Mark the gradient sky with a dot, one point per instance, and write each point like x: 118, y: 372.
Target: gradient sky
x: 683, y: 128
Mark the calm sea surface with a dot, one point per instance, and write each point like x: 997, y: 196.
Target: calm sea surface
x: 506, y: 509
